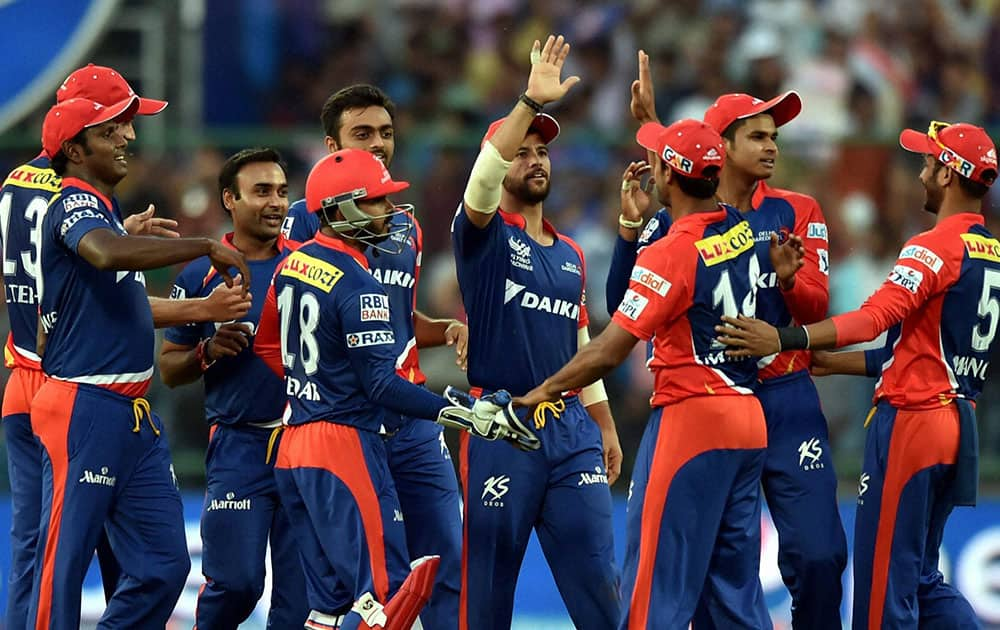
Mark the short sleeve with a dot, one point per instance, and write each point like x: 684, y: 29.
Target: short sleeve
x: 82, y: 213
x: 658, y: 292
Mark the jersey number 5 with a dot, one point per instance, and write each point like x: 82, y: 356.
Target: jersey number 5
x: 988, y: 307
x: 308, y: 314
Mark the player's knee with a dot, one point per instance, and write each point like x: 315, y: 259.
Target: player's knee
x: 830, y: 560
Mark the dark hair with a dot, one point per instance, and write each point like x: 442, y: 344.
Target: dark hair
x: 972, y: 189
x: 699, y: 187
x: 236, y: 162
x: 60, y: 160
x: 360, y: 95
x: 729, y: 133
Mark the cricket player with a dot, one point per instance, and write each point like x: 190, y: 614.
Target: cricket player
x: 361, y: 117
x: 694, y: 502
x: 921, y: 447
x: 105, y: 464
x: 327, y: 322
x: 24, y: 200
x: 799, y: 481
x: 522, y: 285
x: 244, y: 403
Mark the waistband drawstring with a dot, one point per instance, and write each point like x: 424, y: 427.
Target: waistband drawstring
x: 271, y: 440
x: 555, y: 408
x: 140, y: 408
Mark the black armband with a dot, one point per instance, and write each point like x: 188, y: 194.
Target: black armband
x: 793, y: 338
x: 532, y: 103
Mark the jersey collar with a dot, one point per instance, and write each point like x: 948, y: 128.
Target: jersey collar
x: 759, y: 193
x: 963, y: 219
x: 699, y: 219
x: 76, y: 182
x: 341, y: 246
x: 518, y: 221
x: 281, y: 244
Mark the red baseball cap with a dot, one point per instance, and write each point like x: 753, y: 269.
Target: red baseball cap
x: 105, y: 86
x: 544, y: 124
x: 348, y: 174
x: 966, y: 149
x: 68, y: 118
x: 729, y: 108
x: 689, y: 146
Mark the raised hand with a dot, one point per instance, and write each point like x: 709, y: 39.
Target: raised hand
x: 787, y: 258
x: 145, y: 224
x: 643, y: 105
x: 635, y: 200
x: 223, y: 259
x: 226, y: 304
x: 544, y: 84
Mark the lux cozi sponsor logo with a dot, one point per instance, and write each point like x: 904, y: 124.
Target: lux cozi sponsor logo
x: 722, y: 247
x: 982, y: 247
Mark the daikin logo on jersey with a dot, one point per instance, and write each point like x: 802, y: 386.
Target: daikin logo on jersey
x: 535, y: 302
x: 393, y: 277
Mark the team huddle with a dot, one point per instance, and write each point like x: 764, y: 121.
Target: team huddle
x: 327, y: 447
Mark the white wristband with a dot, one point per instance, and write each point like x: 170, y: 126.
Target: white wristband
x: 482, y: 193
x: 625, y: 223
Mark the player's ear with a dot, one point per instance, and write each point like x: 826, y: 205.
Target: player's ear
x: 331, y: 144
x: 228, y: 200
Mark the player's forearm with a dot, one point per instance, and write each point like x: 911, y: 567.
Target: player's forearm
x: 430, y: 332
x: 179, y: 366
x: 169, y: 313
x: 622, y: 262
x: 592, y: 362
x: 826, y: 363
x: 405, y: 398
x: 600, y: 413
x: 108, y: 251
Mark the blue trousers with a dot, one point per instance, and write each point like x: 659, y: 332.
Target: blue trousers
x: 335, y: 484
x: 105, y: 466
x: 801, y: 491
x: 905, y: 495
x: 560, y: 491
x: 427, y: 488
x: 242, y: 512
x: 24, y: 468
x: 693, y: 522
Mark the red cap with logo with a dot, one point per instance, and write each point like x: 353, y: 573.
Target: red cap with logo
x: 966, y: 149
x: 689, y: 146
x: 105, y: 86
x: 68, y: 118
x: 348, y: 174
x: 729, y: 108
x: 545, y: 125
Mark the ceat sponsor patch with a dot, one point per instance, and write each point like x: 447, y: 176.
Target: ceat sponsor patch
x: 374, y: 307
x: 924, y: 255
x: 650, y: 279
x: 633, y: 304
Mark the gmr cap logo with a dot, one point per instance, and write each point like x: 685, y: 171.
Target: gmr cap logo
x: 49, y: 39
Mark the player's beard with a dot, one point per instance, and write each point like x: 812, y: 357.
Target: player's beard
x: 525, y: 192
x: 932, y: 199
